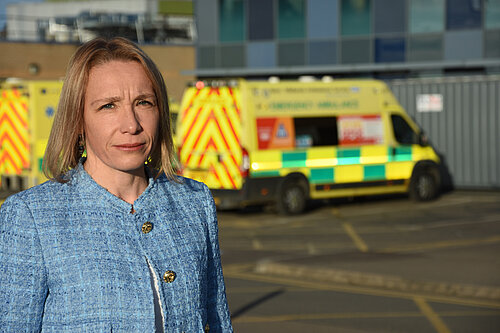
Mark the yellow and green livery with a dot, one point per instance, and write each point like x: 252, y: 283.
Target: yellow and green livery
x: 288, y: 141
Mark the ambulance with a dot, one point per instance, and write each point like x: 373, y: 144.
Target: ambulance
x: 285, y: 142
x: 27, y: 110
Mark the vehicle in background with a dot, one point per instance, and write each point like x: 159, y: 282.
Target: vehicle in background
x: 27, y: 111
x: 258, y: 142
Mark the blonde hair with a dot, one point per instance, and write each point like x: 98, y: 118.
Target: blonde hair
x: 62, y: 152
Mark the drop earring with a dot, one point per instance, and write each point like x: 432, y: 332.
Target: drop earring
x: 81, y: 144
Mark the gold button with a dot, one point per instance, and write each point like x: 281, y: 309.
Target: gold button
x: 147, y: 227
x: 169, y: 276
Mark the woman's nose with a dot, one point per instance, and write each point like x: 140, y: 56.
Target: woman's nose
x: 129, y: 123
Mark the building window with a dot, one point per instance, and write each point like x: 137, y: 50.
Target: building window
x: 389, y: 16
x: 426, y: 16
x: 322, y: 18
x: 232, y: 56
x: 261, y: 54
x: 460, y: 45
x: 232, y: 21
x: 389, y: 50
x: 356, y: 51
x: 492, y: 44
x: 207, y: 57
x: 425, y: 48
x: 322, y: 53
x: 463, y: 14
x: 291, y: 54
x: 291, y: 19
x: 205, y: 11
x: 356, y: 17
x: 492, y: 12
x: 261, y: 19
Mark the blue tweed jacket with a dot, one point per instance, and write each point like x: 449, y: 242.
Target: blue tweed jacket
x: 74, y: 258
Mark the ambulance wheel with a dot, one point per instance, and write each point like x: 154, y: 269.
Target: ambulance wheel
x: 424, y: 185
x: 292, y: 198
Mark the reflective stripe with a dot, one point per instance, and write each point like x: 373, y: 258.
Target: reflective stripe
x: 14, y: 134
x: 209, y: 137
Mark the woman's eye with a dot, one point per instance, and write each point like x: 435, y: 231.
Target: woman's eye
x: 144, y: 103
x: 107, y: 106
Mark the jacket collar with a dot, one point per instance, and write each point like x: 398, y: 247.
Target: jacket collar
x: 85, y: 184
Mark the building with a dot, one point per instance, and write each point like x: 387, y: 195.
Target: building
x: 145, y: 21
x: 40, y: 37
x: 376, y: 38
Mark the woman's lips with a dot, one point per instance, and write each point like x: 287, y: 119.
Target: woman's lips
x: 130, y: 146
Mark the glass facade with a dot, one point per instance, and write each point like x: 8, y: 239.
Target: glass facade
x: 232, y: 21
x: 261, y: 54
x: 356, y: 51
x: 256, y: 34
x: 492, y: 42
x: 207, y: 57
x: 232, y: 56
x: 463, y: 14
x: 356, y: 17
x: 460, y: 45
x: 291, y: 19
x: 389, y: 16
x: 322, y: 53
x: 425, y: 48
x: 389, y: 50
x: 260, y: 19
x: 426, y: 16
x: 492, y: 12
x: 291, y: 54
x: 322, y: 19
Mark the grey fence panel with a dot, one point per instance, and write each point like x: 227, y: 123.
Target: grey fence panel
x: 467, y: 129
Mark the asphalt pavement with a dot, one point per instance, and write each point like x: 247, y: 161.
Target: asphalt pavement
x: 441, y: 256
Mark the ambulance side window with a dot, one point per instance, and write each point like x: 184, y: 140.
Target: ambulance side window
x: 317, y: 131
x: 403, y: 132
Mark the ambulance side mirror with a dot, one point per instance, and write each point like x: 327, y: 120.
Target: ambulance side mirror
x: 423, y: 140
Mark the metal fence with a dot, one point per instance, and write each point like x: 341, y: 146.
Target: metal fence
x: 461, y: 116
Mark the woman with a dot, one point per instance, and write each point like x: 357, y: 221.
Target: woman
x: 115, y: 242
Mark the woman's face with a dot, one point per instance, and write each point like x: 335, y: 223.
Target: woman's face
x: 120, y: 118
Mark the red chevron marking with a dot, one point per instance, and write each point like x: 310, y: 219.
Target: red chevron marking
x: 190, y: 104
x: 6, y: 137
x: 211, y: 115
x: 17, y: 170
x: 18, y: 116
x: 14, y: 128
x: 230, y: 124
x: 229, y: 175
x: 234, y: 100
x: 214, y: 172
x: 192, y: 124
x: 210, y: 144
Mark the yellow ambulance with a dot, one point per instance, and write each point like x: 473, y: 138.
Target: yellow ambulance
x: 284, y: 142
x: 27, y: 110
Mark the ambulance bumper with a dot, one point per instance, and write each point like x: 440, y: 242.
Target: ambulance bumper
x: 254, y: 191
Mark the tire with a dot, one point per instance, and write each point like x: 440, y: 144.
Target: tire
x: 423, y: 186
x: 292, y: 199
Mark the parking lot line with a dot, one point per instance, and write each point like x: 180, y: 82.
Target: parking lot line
x: 431, y: 315
x: 358, y: 315
x: 358, y: 241
x: 320, y: 316
x: 442, y: 244
x: 251, y: 276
